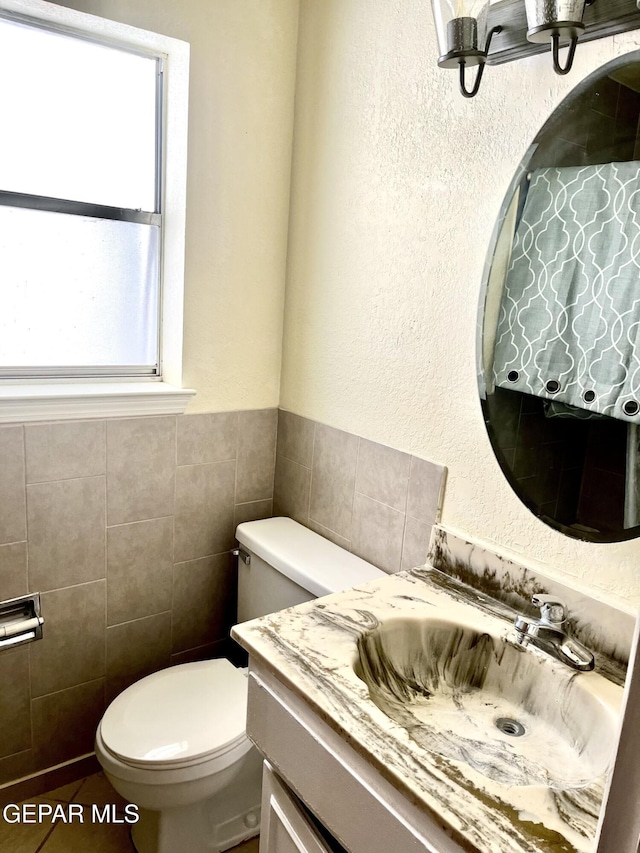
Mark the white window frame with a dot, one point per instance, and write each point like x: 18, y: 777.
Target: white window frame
x: 56, y: 399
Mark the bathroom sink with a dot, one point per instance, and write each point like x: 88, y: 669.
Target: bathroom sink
x: 514, y: 715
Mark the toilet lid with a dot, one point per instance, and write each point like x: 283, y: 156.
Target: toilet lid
x: 184, y: 713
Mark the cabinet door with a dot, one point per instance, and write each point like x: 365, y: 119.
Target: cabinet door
x: 284, y: 826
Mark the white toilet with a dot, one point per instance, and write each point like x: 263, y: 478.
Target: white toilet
x: 175, y: 744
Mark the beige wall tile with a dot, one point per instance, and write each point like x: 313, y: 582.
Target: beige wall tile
x: 329, y: 534
x: 383, y: 474
x: 333, y: 479
x: 136, y: 649
x: 16, y: 766
x: 377, y: 533
x: 252, y: 511
x: 72, y: 647
x: 70, y: 500
x: 13, y: 525
x: 141, y: 455
x: 204, y: 510
x: 139, y: 569
x: 15, y: 722
x: 291, y: 490
x: 66, y: 532
x: 295, y: 438
x: 256, y: 455
x: 63, y: 451
x: 417, y: 535
x: 204, y: 595
x: 65, y: 723
x: 207, y: 438
x: 425, y: 487
x: 13, y: 570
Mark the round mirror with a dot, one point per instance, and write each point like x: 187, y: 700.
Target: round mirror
x: 559, y: 355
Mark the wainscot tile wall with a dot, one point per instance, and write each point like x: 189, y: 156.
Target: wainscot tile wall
x: 372, y: 500
x: 125, y: 527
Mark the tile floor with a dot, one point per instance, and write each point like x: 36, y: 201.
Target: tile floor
x: 75, y: 837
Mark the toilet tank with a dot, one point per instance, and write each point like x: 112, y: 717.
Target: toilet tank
x: 291, y: 564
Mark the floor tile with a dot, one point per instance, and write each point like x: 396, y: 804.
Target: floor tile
x: 97, y: 789
x: 78, y: 837
x: 250, y: 846
x: 66, y: 793
x: 23, y: 837
x: 82, y: 837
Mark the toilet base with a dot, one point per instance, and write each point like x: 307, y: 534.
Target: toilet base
x: 212, y: 825
x: 178, y: 829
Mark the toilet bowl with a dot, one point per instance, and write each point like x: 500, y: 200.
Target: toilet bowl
x: 174, y: 743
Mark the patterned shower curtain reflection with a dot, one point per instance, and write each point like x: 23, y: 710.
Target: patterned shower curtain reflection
x: 569, y: 323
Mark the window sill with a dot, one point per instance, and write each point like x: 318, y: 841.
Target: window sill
x: 82, y: 400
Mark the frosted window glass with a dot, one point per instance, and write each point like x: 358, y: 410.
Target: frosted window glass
x: 77, y: 291
x: 78, y: 118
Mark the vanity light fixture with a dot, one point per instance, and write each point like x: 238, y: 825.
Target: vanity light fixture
x: 466, y: 30
x: 556, y: 20
x: 461, y: 26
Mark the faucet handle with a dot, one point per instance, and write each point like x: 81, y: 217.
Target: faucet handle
x: 523, y: 627
x: 552, y: 608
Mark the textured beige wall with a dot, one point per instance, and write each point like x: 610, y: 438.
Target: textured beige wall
x: 243, y: 55
x: 396, y: 184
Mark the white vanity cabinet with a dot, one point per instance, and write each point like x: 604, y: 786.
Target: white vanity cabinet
x: 307, y: 759
x: 285, y: 828
x: 387, y: 778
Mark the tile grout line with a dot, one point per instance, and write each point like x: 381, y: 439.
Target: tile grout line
x: 313, y: 460
x: 54, y: 826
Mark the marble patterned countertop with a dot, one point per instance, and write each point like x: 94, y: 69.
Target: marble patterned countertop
x: 489, y: 793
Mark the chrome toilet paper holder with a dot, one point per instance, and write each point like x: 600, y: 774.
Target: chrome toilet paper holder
x: 20, y: 620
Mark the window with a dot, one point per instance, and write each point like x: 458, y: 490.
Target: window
x: 92, y: 186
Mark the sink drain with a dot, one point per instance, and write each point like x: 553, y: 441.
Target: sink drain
x: 510, y: 727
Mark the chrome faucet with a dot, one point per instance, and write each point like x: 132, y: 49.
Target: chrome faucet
x: 548, y: 634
